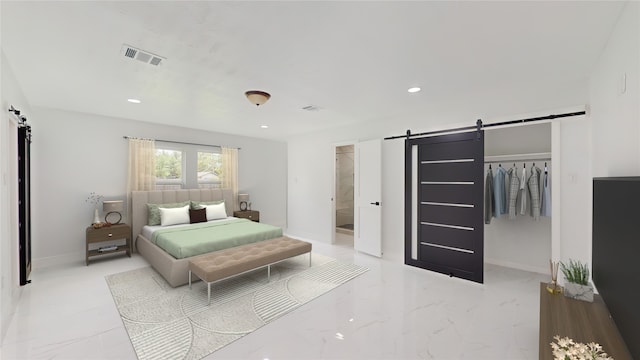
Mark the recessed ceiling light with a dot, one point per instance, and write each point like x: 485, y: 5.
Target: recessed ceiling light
x: 264, y: 126
x: 135, y: 101
x: 414, y: 89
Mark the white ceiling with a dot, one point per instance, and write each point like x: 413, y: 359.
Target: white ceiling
x: 353, y: 60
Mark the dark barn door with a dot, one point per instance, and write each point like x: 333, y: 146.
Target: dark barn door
x: 444, y: 204
x: 24, y: 202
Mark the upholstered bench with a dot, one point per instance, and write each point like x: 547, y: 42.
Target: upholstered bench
x: 222, y: 264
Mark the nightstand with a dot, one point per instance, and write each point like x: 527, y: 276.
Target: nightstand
x: 252, y: 215
x: 108, y: 233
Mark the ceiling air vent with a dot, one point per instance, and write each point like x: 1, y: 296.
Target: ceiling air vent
x: 141, y: 55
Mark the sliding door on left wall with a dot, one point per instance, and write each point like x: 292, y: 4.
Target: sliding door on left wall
x: 24, y: 202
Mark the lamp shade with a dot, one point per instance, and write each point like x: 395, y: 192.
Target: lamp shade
x: 257, y: 97
x: 113, y: 206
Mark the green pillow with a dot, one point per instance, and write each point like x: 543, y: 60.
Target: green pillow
x: 195, y: 205
x: 154, y: 212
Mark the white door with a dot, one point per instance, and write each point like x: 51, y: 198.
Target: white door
x: 368, y: 196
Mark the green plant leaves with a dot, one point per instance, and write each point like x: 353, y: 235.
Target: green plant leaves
x: 576, y: 272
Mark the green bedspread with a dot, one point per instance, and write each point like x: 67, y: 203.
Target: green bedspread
x: 206, y: 237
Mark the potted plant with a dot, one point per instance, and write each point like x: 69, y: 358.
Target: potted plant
x: 577, y: 276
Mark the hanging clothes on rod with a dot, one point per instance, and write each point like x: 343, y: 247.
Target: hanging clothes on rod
x: 522, y: 193
x: 500, y: 190
x: 545, y: 206
x: 514, y: 188
x: 488, y: 197
x: 518, y: 192
x: 535, y: 191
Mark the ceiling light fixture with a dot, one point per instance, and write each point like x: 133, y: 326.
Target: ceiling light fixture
x: 264, y: 126
x: 414, y: 89
x: 135, y: 101
x: 257, y: 97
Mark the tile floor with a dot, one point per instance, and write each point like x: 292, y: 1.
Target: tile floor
x: 391, y: 312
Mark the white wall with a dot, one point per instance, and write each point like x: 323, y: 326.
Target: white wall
x: 615, y: 106
x: 615, y: 114
x: 75, y: 154
x: 11, y: 94
x: 575, y: 190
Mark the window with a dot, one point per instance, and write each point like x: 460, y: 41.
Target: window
x: 187, y: 166
x: 209, y: 169
x: 169, y: 169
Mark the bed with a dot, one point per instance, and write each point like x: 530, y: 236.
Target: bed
x: 175, y: 269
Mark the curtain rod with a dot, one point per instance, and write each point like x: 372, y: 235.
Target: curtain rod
x: 480, y: 125
x: 173, y: 142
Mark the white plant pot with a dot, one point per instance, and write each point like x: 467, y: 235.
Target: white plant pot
x: 578, y: 292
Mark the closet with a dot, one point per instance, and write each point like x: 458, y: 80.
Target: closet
x: 521, y: 242
x: 445, y: 174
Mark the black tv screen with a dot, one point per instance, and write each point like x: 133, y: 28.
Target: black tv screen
x: 616, y: 253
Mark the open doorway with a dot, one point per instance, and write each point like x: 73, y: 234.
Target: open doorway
x: 344, y: 195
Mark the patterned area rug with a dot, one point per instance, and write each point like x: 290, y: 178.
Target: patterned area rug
x: 176, y: 323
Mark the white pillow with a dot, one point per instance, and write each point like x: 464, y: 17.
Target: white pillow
x: 174, y: 216
x: 217, y: 211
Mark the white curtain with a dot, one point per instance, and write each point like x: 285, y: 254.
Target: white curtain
x: 230, y: 172
x: 142, y: 165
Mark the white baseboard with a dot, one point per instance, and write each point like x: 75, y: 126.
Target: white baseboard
x: 518, y: 266
x: 45, y: 262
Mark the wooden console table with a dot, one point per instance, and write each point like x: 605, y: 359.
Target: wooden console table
x: 581, y: 321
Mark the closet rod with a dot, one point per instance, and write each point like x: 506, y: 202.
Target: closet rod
x: 524, y: 157
x: 510, y: 122
x: 174, y: 142
x: 519, y: 160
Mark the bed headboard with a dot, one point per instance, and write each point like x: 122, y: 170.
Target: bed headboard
x: 140, y: 199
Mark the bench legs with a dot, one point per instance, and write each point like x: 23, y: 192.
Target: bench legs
x: 208, y: 289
